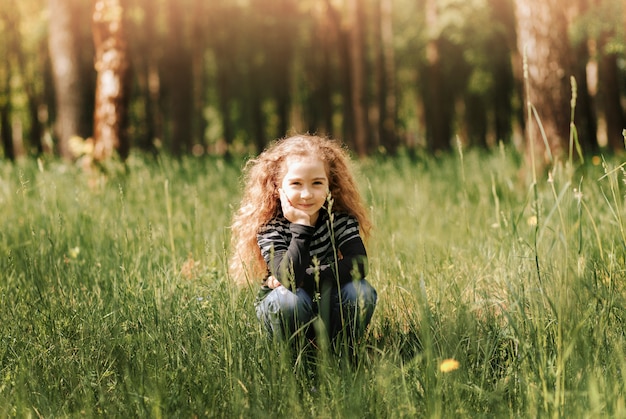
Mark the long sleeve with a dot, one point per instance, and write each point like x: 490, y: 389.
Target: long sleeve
x: 351, y: 263
x: 289, y: 266
x: 299, y: 255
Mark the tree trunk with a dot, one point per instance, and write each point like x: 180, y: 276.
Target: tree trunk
x: 357, y: 77
x: 438, y: 107
x: 66, y: 71
x: 609, y: 93
x: 6, y: 132
x: 198, y: 48
x: 255, y: 105
x: 476, y: 122
x: 318, y: 74
x: 342, y: 49
x: 179, y: 78
x: 503, y: 111
x: 145, y: 68
x: 281, y: 56
x: 318, y: 108
x: 112, y: 83
x: 504, y: 88
x: 225, y: 96
x: 584, y: 116
x: 225, y: 40
x: 15, y: 49
x: 387, y: 85
x: 543, y: 41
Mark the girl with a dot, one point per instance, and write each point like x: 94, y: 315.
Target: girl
x: 298, y: 232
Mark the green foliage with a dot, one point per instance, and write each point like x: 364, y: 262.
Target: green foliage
x: 116, y: 300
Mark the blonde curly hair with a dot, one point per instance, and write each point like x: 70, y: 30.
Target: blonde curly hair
x: 260, y: 202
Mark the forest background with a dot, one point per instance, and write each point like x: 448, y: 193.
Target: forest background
x: 227, y: 76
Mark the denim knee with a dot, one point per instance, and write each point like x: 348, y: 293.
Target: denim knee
x: 360, y: 295
x: 282, y: 311
x: 353, y: 308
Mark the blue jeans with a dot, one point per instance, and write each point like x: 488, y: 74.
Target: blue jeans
x: 348, y: 309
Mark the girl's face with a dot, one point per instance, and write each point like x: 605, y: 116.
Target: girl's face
x: 306, y: 184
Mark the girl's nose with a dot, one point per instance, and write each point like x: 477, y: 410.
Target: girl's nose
x: 306, y: 193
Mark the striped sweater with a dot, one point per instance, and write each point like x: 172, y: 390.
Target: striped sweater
x: 297, y: 254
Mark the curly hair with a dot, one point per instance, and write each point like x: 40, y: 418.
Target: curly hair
x: 260, y: 200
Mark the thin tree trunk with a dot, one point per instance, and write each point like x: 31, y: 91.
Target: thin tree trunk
x: 501, y: 47
x: 112, y: 89
x: 437, y: 107
x: 345, y: 72
x: 387, y: 128
x: 475, y: 120
x: 6, y: 132
x: 256, y: 116
x: 224, y: 40
x: 608, y: 79
x: 542, y: 35
x: 225, y: 98
x: 357, y: 77
x: 11, y: 20
x: 179, y: 80
x: 146, y: 70
x: 584, y: 117
x: 281, y: 54
x: 66, y: 70
x: 318, y: 108
x: 504, y: 86
x: 198, y: 70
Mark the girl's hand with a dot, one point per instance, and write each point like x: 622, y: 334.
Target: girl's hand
x: 291, y: 213
x: 272, y: 282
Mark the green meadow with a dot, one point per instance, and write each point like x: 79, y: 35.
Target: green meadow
x: 115, y: 299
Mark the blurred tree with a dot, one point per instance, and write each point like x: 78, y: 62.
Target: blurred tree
x: 224, y: 19
x: 326, y: 92
x: 584, y: 129
x: 6, y: 43
x: 199, y: 45
x: 358, y: 94
x: 178, y: 76
x: 341, y: 47
x: 144, y: 44
x: 610, y: 41
x: 487, y: 41
x: 502, y: 46
x: 28, y: 56
x: 6, y: 132
x: 112, y: 83
x: 320, y: 70
x: 613, y: 112
x: 409, y: 43
x: 387, y: 78
x: 436, y: 93
x: 254, y: 63
x: 284, y: 18
x: 72, y: 81
x: 543, y: 42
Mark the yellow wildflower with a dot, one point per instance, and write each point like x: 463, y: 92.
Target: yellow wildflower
x: 449, y: 365
x: 74, y: 251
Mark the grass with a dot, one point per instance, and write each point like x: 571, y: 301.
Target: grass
x: 115, y: 299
